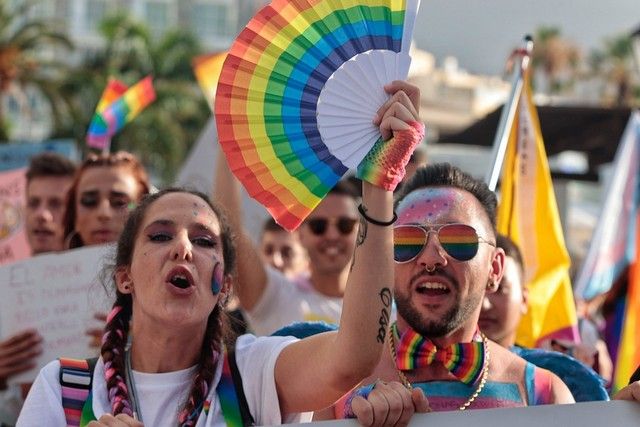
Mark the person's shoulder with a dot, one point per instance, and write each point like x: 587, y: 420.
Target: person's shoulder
x: 502, y: 359
x: 585, y: 384
x: 251, y: 343
x: 51, y: 369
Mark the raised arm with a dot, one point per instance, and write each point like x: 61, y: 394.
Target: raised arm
x: 251, y: 274
x: 314, y: 372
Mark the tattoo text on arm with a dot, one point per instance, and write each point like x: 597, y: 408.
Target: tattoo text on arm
x: 383, y: 321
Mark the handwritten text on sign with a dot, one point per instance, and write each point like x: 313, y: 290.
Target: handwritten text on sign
x: 58, y: 295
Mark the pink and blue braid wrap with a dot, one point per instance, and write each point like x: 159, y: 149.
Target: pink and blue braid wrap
x: 384, y: 165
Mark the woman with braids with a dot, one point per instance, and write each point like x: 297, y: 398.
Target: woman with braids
x: 173, y: 275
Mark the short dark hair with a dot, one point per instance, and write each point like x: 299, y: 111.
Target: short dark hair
x: 346, y: 187
x: 50, y: 164
x: 446, y: 175
x: 511, y: 250
x: 271, y: 225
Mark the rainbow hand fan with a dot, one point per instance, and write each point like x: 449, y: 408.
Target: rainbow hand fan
x: 298, y: 92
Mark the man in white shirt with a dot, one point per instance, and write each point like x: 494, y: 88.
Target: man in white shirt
x: 269, y: 299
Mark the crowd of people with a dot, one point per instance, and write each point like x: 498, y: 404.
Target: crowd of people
x: 390, y: 299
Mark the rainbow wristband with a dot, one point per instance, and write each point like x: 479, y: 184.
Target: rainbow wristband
x: 363, y: 392
x: 384, y: 165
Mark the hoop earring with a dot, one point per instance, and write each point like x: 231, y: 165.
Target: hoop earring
x: 73, y: 240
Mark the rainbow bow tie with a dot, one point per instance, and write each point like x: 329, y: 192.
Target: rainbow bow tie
x: 464, y: 360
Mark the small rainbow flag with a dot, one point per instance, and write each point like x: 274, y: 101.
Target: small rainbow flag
x: 112, y: 91
x: 108, y: 122
x: 207, y: 69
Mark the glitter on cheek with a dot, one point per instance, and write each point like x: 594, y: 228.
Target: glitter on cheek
x: 426, y: 205
x: 217, y: 278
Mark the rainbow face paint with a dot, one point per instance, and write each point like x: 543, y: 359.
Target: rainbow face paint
x: 217, y: 278
x: 427, y: 205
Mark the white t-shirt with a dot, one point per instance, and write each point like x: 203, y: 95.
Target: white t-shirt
x: 160, y: 396
x: 284, y: 302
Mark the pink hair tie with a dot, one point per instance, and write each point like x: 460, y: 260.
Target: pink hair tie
x: 114, y: 312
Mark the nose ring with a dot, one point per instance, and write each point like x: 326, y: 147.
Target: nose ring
x: 431, y: 270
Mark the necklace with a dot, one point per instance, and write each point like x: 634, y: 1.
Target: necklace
x: 474, y: 395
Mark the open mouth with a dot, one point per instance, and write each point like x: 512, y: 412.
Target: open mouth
x: 180, y: 282
x: 180, y: 277
x: 432, y: 289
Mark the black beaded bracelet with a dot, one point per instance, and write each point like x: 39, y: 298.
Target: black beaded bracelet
x: 363, y: 212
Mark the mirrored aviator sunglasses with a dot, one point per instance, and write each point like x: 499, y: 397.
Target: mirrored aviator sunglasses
x: 459, y: 241
x: 318, y: 226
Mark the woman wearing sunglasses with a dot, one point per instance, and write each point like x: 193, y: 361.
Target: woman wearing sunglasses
x: 104, y: 190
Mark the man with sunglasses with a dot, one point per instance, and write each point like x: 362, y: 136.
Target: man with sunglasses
x: 446, y: 261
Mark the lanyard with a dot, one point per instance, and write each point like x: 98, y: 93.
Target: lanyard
x: 131, y: 386
x: 226, y: 390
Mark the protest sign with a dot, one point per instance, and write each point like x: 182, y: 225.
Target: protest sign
x: 56, y: 294
x: 13, y: 240
x: 585, y: 414
x: 17, y: 154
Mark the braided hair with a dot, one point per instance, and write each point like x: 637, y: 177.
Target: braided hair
x: 117, y: 325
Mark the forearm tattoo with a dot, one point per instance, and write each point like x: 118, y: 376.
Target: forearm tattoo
x: 383, y: 321
x: 362, y: 232
x: 362, y: 235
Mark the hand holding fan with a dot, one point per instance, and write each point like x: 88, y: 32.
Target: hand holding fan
x: 298, y: 93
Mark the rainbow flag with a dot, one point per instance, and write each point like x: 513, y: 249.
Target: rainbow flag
x: 528, y: 213
x: 613, y: 247
x: 112, y: 119
x: 628, y: 357
x: 207, y: 69
x: 112, y: 91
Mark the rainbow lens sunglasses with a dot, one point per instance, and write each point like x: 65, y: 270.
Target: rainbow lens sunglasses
x: 459, y: 241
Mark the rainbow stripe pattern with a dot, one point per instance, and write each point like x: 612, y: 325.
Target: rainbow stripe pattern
x: 384, y: 165
x: 112, y: 91
x: 228, y: 398
x: 460, y: 241
x: 464, y: 360
x: 112, y: 119
x: 267, y: 96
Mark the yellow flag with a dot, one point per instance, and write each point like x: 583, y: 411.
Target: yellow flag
x: 207, y: 69
x: 528, y: 214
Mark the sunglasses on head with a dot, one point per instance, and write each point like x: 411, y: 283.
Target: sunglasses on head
x: 459, y: 241
x: 318, y: 226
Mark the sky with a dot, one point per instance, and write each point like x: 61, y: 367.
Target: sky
x: 482, y: 33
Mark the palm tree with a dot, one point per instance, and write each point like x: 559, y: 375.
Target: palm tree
x: 24, y: 42
x: 619, y: 53
x: 556, y: 57
x: 162, y: 134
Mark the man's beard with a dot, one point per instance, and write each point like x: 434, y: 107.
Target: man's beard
x: 450, y: 321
